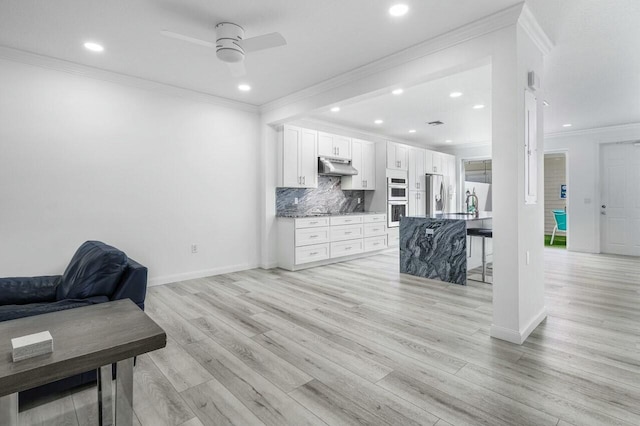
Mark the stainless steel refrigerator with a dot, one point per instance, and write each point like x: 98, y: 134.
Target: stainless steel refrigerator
x: 435, y: 195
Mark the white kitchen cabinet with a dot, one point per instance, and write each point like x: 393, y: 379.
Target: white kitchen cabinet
x: 298, y: 158
x: 334, y: 146
x: 436, y: 163
x: 417, y: 157
x: 450, y: 180
x: 397, y: 156
x: 417, y: 203
x: 313, y: 241
x: 363, y: 159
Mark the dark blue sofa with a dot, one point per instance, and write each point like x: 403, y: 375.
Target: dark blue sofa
x: 97, y: 273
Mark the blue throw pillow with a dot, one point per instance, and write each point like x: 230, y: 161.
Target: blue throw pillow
x: 94, y: 270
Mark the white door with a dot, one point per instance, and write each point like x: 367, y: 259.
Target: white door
x: 357, y: 163
x: 290, y: 175
x: 342, y: 147
x: 369, y: 165
x: 308, y: 159
x: 325, y: 145
x: 402, y: 156
x: 620, y: 198
x: 392, y: 162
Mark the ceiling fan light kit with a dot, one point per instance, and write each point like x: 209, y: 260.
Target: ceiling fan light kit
x: 231, y: 46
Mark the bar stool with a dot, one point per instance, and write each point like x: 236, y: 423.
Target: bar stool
x: 484, y: 233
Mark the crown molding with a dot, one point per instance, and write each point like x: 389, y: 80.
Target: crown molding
x: 595, y: 131
x: 478, y: 28
x: 530, y: 25
x: 74, y: 68
x: 364, y: 133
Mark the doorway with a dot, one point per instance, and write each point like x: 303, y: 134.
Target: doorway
x: 555, y: 200
x: 620, y: 199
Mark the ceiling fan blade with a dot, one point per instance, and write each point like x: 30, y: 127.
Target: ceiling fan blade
x: 188, y: 39
x: 266, y: 41
x: 237, y: 68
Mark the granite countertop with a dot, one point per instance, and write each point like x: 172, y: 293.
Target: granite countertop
x: 459, y: 216
x: 303, y: 215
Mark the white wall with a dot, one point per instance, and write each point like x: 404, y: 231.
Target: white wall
x: 146, y: 172
x: 583, y: 179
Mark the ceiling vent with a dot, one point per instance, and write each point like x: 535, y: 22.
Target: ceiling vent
x: 435, y: 123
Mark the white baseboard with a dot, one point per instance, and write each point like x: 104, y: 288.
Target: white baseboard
x: 166, y: 279
x: 518, y: 336
x: 269, y: 265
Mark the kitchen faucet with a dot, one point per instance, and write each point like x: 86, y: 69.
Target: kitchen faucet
x: 473, y: 207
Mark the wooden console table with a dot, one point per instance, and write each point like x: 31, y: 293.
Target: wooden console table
x: 91, y: 337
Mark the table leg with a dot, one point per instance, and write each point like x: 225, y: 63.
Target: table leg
x: 105, y: 396
x: 124, y: 393
x: 9, y: 410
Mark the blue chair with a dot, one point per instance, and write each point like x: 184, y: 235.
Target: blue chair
x: 561, y: 223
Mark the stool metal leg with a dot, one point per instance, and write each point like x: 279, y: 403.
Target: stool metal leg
x: 9, y: 409
x: 484, y: 261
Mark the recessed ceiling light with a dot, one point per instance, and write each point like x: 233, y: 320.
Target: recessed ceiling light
x: 378, y: 121
x: 479, y: 106
x: 567, y: 125
x: 94, y: 47
x: 398, y: 92
x: 448, y: 141
x: 398, y: 9
x: 335, y: 109
x: 545, y: 103
x: 412, y: 131
x: 244, y: 87
x: 455, y: 94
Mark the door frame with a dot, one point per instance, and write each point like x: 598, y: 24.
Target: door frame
x: 567, y: 177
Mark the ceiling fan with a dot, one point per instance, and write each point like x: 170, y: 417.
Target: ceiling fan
x: 231, y: 46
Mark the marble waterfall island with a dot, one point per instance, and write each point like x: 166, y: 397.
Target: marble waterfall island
x: 434, y: 248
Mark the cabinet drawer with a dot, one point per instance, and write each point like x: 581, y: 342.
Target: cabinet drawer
x: 375, y: 243
x: 345, y: 220
x: 371, y: 218
x: 311, y: 222
x: 307, y: 236
x: 373, y: 229
x: 393, y: 237
x: 346, y: 232
x: 346, y: 248
x: 312, y: 253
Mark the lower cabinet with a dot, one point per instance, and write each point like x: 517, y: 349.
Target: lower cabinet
x: 306, y: 242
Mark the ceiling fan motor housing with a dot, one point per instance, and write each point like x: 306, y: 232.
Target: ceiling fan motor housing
x: 228, y: 48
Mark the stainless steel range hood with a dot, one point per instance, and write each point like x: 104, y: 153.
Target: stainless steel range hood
x: 335, y: 167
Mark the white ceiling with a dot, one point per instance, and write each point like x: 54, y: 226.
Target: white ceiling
x: 423, y: 103
x: 325, y: 37
x: 592, y: 75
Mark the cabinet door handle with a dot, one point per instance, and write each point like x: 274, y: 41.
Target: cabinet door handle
x: 348, y: 233
x: 313, y: 253
x: 304, y: 180
x: 313, y: 236
x: 348, y: 248
x: 312, y: 223
x: 338, y: 150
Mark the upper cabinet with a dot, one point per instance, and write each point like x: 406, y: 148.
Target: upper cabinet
x: 434, y: 162
x: 334, y: 146
x: 298, y: 167
x: 363, y: 159
x: 397, y: 156
x: 417, y: 170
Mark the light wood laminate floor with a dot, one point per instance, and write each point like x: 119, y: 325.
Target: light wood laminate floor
x: 357, y: 343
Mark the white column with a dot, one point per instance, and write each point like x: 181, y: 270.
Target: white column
x: 518, y: 289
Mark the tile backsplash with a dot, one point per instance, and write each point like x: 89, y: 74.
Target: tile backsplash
x: 328, y: 197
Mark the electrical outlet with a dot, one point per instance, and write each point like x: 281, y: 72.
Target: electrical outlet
x: 358, y: 200
x: 295, y: 200
x: 528, y: 257
x: 194, y: 248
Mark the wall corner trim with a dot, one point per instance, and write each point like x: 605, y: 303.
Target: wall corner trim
x: 530, y: 25
x: 34, y: 59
